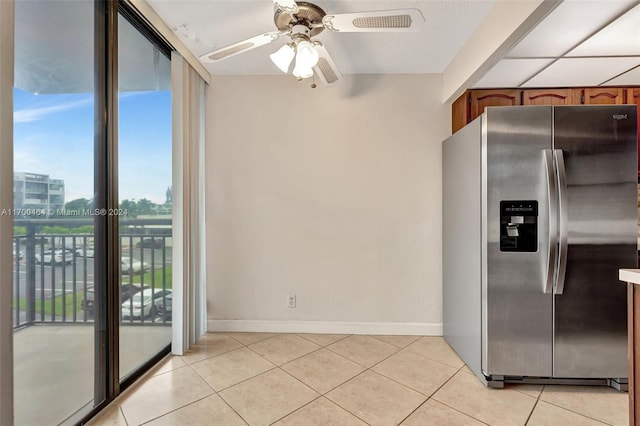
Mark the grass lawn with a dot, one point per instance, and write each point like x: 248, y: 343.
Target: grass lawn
x: 57, y: 302
x: 157, y: 277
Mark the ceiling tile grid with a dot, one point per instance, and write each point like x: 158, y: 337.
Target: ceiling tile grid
x: 580, y: 43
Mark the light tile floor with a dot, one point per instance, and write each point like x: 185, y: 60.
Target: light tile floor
x: 320, y: 379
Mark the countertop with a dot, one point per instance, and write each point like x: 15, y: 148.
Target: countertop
x: 630, y: 275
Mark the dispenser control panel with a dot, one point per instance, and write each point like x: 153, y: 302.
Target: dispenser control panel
x: 519, y: 226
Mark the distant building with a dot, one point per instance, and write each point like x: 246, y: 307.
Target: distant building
x: 33, y: 191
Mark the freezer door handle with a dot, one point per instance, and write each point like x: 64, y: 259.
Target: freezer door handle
x: 553, y: 224
x: 564, y: 220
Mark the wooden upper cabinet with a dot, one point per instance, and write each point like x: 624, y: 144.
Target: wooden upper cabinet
x: 473, y: 102
x: 633, y: 97
x: 480, y: 99
x: 603, y: 95
x: 551, y: 97
x: 459, y: 112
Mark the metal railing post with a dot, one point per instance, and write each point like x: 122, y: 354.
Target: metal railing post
x: 30, y: 256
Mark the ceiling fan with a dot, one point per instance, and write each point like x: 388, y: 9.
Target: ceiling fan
x: 302, y: 21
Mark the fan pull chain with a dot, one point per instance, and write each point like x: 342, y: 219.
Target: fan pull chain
x: 313, y: 84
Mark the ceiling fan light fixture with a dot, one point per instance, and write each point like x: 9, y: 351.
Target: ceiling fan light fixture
x: 301, y: 72
x: 307, y: 56
x: 282, y: 57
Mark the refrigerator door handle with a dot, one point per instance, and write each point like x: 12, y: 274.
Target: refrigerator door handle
x: 564, y: 220
x: 553, y: 214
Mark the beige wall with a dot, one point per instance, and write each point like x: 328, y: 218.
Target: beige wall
x: 330, y: 194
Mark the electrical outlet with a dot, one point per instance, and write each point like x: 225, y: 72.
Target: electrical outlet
x: 291, y: 301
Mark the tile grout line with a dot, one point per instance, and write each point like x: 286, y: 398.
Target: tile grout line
x: 324, y: 346
x: 446, y: 405
x: 274, y: 368
x: 175, y: 409
x: 431, y: 359
x: 399, y: 347
x: 204, y: 380
x: 573, y: 411
x: 190, y: 403
x: 291, y: 360
x: 297, y: 409
x: 216, y: 392
x: 373, y: 365
x: 320, y: 395
x: 364, y: 371
x: 398, y: 350
x: 122, y: 413
x: 526, y: 422
x: 233, y: 409
x: 211, y: 356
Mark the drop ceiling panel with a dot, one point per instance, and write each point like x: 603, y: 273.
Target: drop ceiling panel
x: 630, y: 78
x: 512, y: 72
x: 568, y: 25
x: 621, y: 37
x: 581, y: 71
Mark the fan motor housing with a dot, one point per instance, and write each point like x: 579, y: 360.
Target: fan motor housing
x: 308, y: 13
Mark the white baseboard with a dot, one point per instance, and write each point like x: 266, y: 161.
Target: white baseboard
x: 326, y: 327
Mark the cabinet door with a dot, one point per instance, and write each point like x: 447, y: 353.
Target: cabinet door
x: 550, y: 97
x: 480, y: 99
x: 633, y: 97
x: 603, y: 95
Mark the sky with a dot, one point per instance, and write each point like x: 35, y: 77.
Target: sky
x: 54, y: 135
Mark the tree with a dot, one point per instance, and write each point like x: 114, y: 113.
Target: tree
x: 78, y: 204
x: 145, y: 207
x: 130, y: 206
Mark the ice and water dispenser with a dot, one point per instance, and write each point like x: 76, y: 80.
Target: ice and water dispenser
x: 519, y: 226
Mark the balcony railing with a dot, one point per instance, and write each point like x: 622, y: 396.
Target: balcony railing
x: 54, y: 274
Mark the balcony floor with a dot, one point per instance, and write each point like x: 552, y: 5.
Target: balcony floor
x: 54, y: 367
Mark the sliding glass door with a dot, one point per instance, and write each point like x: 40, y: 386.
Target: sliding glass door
x: 92, y: 206
x: 53, y: 230
x: 145, y: 196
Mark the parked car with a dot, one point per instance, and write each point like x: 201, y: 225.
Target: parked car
x: 144, y: 303
x: 164, y: 311
x: 129, y: 266
x: 55, y: 257
x: 126, y: 291
x: 18, y: 254
x: 85, y: 252
x: 149, y: 243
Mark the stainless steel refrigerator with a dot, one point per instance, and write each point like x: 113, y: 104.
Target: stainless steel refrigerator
x: 539, y: 213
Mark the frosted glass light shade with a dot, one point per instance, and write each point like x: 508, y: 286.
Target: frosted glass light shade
x: 307, y: 56
x: 302, y: 72
x: 283, y: 57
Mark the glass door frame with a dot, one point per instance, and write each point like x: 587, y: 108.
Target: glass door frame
x: 107, y: 384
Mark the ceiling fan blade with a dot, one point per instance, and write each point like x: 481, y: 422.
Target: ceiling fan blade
x: 395, y: 20
x: 288, y: 6
x: 241, y: 47
x: 326, y: 69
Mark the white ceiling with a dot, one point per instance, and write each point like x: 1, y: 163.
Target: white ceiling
x: 206, y: 25
x: 580, y: 43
